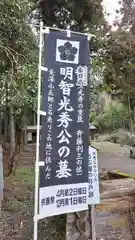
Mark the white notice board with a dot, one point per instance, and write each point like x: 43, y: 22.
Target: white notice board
x: 93, y: 178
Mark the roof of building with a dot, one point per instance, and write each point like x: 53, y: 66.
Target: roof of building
x: 91, y: 126
x: 32, y: 127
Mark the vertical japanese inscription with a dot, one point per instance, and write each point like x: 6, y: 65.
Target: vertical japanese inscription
x: 90, y: 172
x: 81, y: 73
x: 48, y: 146
x: 94, y: 196
x: 64, y: 120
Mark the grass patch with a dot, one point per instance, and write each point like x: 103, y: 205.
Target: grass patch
x: 25, y: 175
x: 11, y: 204
x: 21, y: 195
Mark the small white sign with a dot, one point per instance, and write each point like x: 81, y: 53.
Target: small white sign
x: 29, y: 137
x: 93, y: 178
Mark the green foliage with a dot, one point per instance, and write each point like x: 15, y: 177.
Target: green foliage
x: 80, y: 15
x: 18, y: 46
x: 96, y: 80
x: 16, y: 38
x: 121, y: 137
x: 120, y: 61
x: 114, y: 116
x: 24, y: 175
x: 26, y: 85
x: 18, y: 56
x: 119, y: 51
x: 92, y: 116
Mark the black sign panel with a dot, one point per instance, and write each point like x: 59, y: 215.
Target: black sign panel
x: 65, y: 129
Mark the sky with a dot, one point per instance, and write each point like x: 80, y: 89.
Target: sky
x: 111, y: 6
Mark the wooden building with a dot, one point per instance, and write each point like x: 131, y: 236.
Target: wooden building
x: 30, y: 133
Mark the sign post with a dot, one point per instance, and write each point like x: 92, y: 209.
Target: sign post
x: 61, y: 170
x: 38, y: 138
x: 93, y: 185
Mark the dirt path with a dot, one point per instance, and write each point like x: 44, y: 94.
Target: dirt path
x: 115, y: 157
x: 119, y: 162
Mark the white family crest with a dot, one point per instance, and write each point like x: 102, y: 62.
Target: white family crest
x: 67, y: 51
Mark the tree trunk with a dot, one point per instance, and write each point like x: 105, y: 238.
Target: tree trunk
x: 25, y: 122
x: 130, y: 115
x: 133, y: 113
x: 78, y: 226
x: 6, y: 125
x: 25, y: 135
x: 12, y: 130
x: 34, y: 118
x: 1, y: 124
x: 6, y: 112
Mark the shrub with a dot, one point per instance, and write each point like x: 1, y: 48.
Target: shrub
x: 115, y: 116
x: 121, y: 137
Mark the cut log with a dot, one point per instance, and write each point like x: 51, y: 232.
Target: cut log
x: 114, y: 217
x: 117, y: 188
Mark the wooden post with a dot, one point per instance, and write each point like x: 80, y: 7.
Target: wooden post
x: 93, y: 222
x: 88, y: 232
